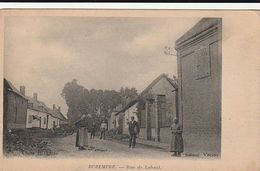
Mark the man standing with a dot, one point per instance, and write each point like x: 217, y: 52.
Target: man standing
x: 103, y: 128
x: 133, y: 132
x: 93, y: 131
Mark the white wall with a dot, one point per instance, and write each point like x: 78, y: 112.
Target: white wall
x: 51, y: 120
x: 132, y: 111
x: 35, y: 123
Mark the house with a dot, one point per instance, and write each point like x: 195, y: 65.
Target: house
x: 199, y: 73
x: 63, y: 119
x: 154, y: 110
x: 37, y: 114
x: 113, y: 120
x: 15, y: 107
x: 157, y: 109
x: 57, y: 118
x: 124, y: 116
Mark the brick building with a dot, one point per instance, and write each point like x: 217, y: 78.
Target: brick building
x: 199, y: 74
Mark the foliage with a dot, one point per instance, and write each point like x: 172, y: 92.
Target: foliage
x: 30, y: 142
x: 97, y: 103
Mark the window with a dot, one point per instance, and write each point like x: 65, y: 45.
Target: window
x: 203, y: 62
x: 44, y: 120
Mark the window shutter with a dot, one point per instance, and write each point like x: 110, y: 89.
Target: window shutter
x: 203, y: 62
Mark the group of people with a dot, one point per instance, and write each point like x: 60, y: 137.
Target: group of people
x: 82, y: 132
x: 176, y: 145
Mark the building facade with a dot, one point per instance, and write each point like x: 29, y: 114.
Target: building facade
x: 113, y: 120
x: 154, y: 110
x: 199, y: 74
x: 158, y: 109
x: 130, y: 111
x: 37, y: 114
x: 41, y: 116
x: 15, y: 107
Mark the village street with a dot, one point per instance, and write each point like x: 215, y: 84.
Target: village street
x: 65, y: 147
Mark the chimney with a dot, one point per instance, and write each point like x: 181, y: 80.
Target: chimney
x: 35, y: 96
x: 22, y: 90
x: 59, y: 108
x: 54, y: 107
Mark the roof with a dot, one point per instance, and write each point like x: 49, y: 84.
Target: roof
x: 171, y: 81
x: 200, y: 28
x: 12, y: 88
x: 37, y: 105
x: 42, y: 107
x: 130, y: 104
x: 59, y: 115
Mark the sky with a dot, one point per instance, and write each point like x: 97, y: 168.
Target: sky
x: 44, y: 53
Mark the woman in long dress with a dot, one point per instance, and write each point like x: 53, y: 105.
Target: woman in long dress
x: 82, y: 133
x: 177, y: 140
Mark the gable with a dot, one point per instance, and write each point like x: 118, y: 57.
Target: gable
x: 162, y: 87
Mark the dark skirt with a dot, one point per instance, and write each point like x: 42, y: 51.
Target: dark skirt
x: 82, y: 137
x: 176, y: 143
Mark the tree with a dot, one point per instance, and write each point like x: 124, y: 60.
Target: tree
x: 97, y: 103
x: 73, y: 95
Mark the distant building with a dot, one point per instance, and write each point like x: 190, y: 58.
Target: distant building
x: 158, y: 109
x: 15, y: 107
x: 113, y: 120
x: 199, y: 74
x: 58, y: 118
x: 21, y: 112
x: 154, y: 110
x: 124, y: 116
x: 37, y: 114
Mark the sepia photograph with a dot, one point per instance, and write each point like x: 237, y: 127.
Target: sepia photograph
x: 115, y: 86
x: 101, y: 86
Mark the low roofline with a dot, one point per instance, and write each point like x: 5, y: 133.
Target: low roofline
x: 14, y: 89
x: 130, y: 104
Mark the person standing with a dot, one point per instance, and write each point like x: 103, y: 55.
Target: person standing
x: 93, y: 130
x: 103, y: 128
x: 134, y: 130
x: 177, y: 140
x: 82, y: 133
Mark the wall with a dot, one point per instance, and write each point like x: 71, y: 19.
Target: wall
x: 35, y: 123
x: 163, y: 87
x: 199, y: 72
x: 52, y: 119
x: 132, y: 111
x: 165, y: 135
x: 16, y: 111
